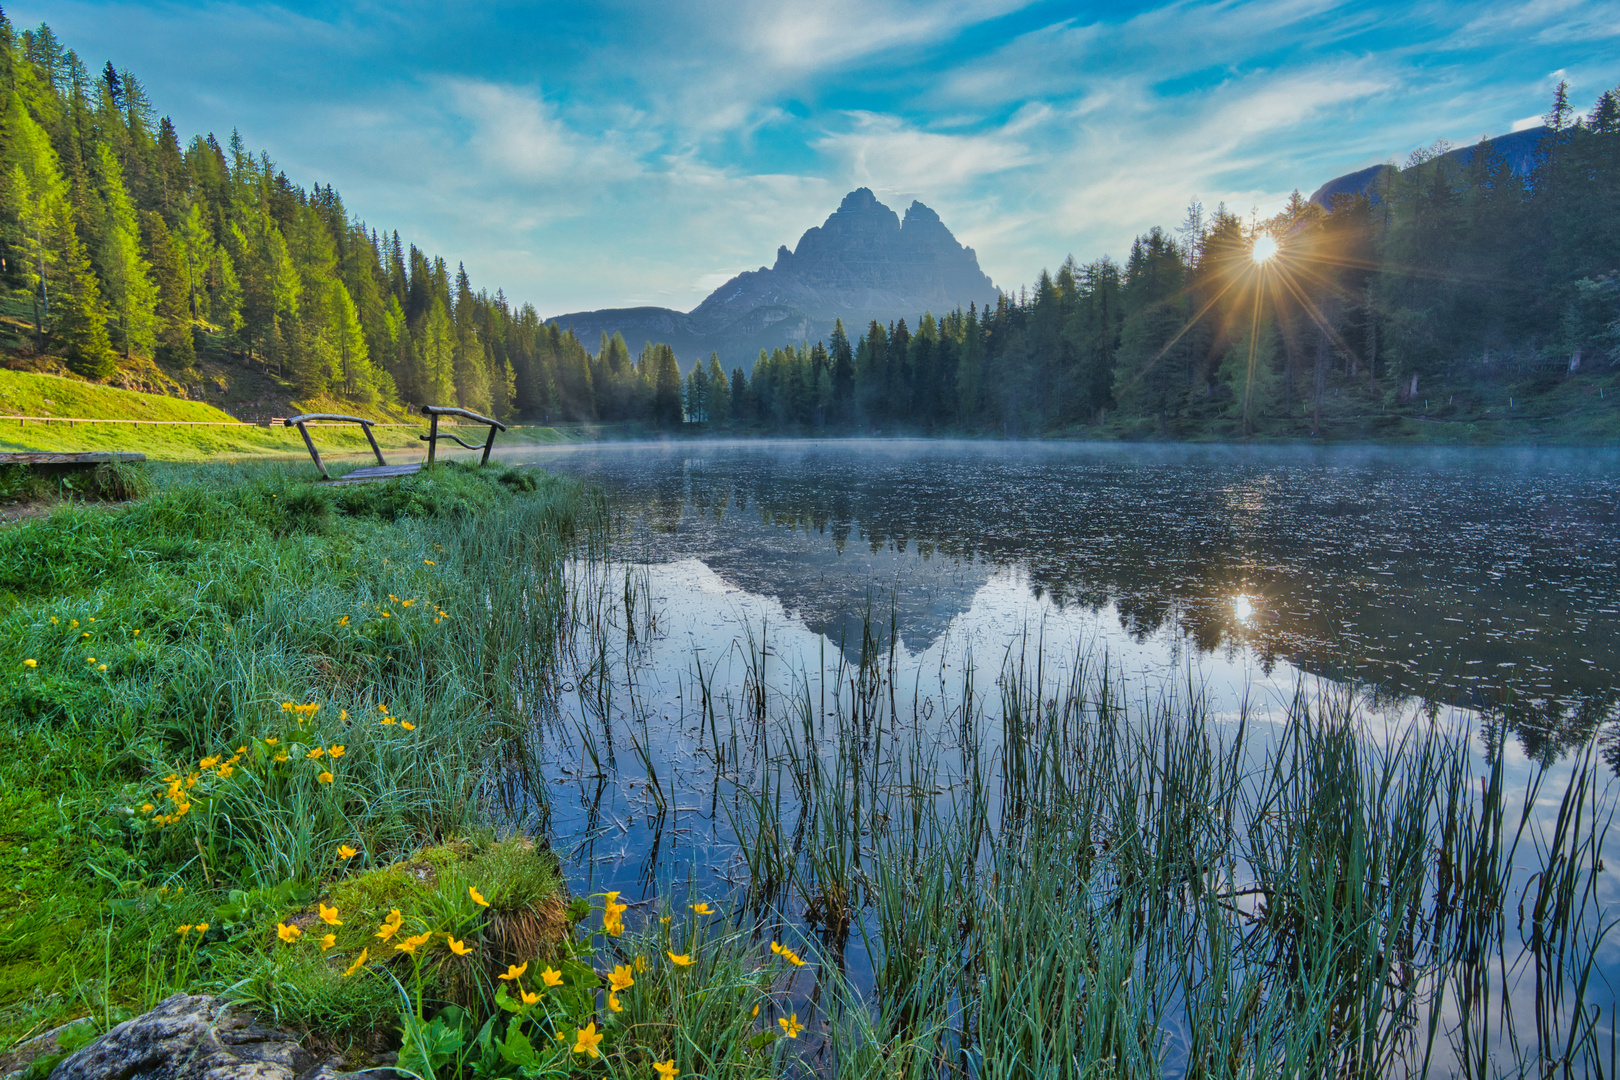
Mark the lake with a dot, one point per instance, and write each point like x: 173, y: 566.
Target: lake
x: 767, y: 601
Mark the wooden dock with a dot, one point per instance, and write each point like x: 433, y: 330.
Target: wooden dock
x: 40, y: 457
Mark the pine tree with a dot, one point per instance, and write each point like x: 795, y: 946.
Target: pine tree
x: 131, y: 293
x: 175, y: 345
x: 666, y: 387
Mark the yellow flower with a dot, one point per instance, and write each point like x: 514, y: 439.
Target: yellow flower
x: 343, y: 714
x: 325, y: 778
x: 208, y: 762
x: 54, y: 621
x: 328, y: 941
x: 289, y: 934
x: 791, y: 1025
x: 147, y: 808
x: 529, y: 997
x: 101, y: 667
x: 281, y: 756
x: 407, y: 603
x: 359, y: 962
x: 392, y: 598
x: 225, y: 772
x: 137, y: 631
x: 30, y: 663
x: 385, y: 721
x: 272, y: 742
x: 84, y: 635
x: 335, y: 751
x: 477, y: 897
x: 641, y: 963
x: 550, y: 976
x: 202, y: 928
x: 343, y: 621
x: 329, y: 915
x: 286, y: 706
x: 315, y: 753
x: 620, y: 978
x: 411, y: 944
x: 388, y: 614
x: 183, y: 930
x: 346, y: 852
x: 89, y: 659
x: 458, y: 947
x: 73, y: 624
x: 382, y: 708
x: 776, y: 948
x: 430, y: 562
x: 587, y: 1039
x: 679, y: 960
x: 702, y: 909
x: 514, y: 971
x: 664, y: 919
x: 755, y: 1012
x: 390, y: 926
x: 615, y: 926
x: 666, y: 1070
x: 407, y: 725
x: 613, y: 1002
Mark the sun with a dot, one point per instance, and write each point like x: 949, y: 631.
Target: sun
x: 1264, y: 248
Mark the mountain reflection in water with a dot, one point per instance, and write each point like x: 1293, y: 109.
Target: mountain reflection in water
x: 1482, y: 579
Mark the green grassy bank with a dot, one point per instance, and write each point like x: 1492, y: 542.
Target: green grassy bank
x: 254, y: 735
x: 218, y: 632
x: 167, y: 438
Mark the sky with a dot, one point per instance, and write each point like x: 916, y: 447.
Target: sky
x: 622, y: 153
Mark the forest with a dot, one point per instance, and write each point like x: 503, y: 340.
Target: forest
x: 1445, y: 291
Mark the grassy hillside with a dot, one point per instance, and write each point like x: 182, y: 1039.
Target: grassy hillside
x: 37, y: 395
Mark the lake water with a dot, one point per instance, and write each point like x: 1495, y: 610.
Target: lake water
x: 1471, y: 589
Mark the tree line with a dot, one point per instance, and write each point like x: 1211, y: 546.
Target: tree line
x: 118, y: 244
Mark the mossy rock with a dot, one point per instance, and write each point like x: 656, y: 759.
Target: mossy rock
x: 327, y: 989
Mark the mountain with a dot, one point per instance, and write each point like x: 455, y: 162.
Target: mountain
x: 1519, y: 149
x: 864, y: 262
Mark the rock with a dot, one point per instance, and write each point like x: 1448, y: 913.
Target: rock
x: 15, y: 1062
x: 863, y: 263
x: 189, y: 1038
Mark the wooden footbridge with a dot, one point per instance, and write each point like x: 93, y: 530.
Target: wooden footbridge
x: 382, y: 470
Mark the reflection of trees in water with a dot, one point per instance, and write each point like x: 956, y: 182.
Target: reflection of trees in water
x: 1405, y: 584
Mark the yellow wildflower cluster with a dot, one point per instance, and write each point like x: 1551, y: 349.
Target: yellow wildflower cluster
x: 613, y: 914
x: 301, y: 712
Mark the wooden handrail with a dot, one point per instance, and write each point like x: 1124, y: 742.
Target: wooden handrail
x: 365, y: 425
x: 433, y: 412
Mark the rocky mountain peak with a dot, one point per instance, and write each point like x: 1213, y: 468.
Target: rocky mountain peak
x: 862, y: 263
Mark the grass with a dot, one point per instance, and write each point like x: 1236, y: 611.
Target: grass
x: 171, y: 631
x: 40, y: 395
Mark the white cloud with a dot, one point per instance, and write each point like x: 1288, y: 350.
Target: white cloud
x: 517, y: 133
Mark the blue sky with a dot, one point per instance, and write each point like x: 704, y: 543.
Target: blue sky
x: 610, y: 154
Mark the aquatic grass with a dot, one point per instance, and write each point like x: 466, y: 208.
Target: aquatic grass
x: 1142, y: 889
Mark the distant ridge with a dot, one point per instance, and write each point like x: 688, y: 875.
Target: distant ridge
x: 864, y: 262
x: 1518, y: 149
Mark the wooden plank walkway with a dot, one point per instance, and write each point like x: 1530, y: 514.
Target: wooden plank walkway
x: 31, y: 457
x: 377, y: 472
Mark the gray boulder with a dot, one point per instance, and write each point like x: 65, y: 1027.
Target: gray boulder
x: 190, y: 1038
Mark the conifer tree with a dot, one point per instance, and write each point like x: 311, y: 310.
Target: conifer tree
x: 175, y: 345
